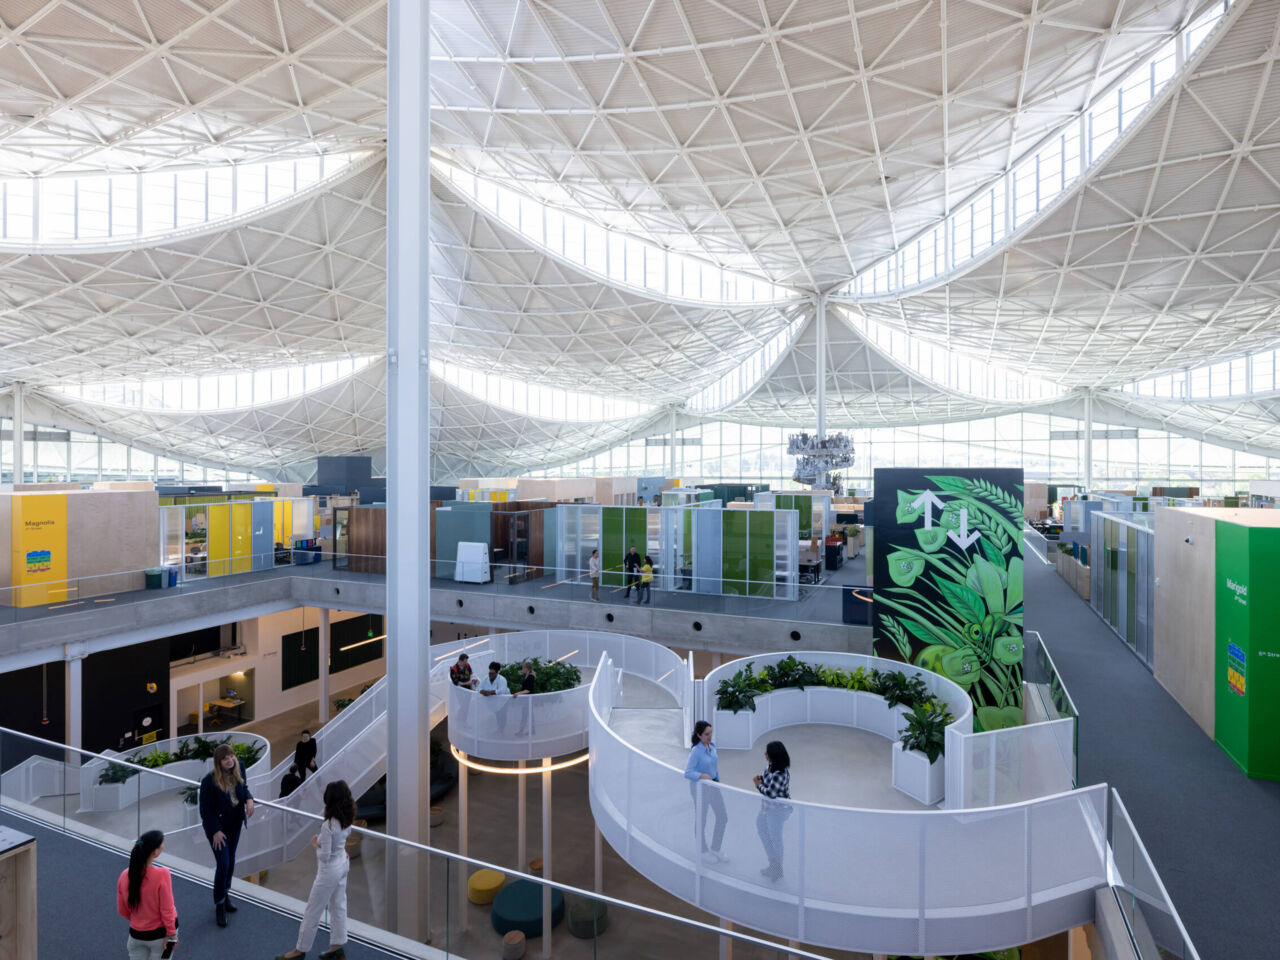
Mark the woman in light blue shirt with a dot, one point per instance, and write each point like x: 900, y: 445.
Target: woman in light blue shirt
x: 702, y: 765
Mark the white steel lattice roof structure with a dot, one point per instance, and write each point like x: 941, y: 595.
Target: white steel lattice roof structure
x: 605, y: 158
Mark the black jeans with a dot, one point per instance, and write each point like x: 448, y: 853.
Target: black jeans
x: 225, y: 864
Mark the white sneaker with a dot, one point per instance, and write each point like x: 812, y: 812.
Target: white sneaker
x: 714, y: 856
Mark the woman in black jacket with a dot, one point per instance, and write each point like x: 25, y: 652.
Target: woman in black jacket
x: 225, y: 805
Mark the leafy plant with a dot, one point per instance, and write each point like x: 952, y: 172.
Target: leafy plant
x: 550, y: 676
x: 900, y: 690
x: 739, y: 691
x: 341, y: 703
x: 247, y: 753
x: 926, y: 728
x: 790, y: 672
x: 191, y: 795
x: 156, y: 758
x: 116, y: 773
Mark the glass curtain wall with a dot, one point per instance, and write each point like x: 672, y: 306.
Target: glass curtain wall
x: 1048, y: 448
x: 67, y: 456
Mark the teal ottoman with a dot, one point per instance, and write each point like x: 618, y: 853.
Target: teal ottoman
x: 518, y: 906
x: 588, y: 918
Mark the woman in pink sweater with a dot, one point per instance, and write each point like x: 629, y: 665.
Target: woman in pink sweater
x: 144, y: 897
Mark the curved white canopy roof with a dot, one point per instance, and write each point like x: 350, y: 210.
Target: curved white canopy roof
x: 798, y: 143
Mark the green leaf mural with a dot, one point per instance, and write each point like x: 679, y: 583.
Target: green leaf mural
x: 947, y: 602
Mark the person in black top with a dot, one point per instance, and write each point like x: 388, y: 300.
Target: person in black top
x: 631, y: 563
x: 291, y: 781
x: 304, y: 754
x: 528, y: 685
x: 225, y: 805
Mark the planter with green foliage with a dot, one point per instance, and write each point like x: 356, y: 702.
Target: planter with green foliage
x: 844, y: 689
x: 916, y: 771
x: 549, y: 676
x: 107, y: 785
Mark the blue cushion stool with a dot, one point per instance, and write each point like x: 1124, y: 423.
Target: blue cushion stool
x: 518, y: 906
x: 588, y: 918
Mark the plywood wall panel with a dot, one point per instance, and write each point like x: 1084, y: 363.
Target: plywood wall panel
x: 1184, y: 609
x: 112, y: 536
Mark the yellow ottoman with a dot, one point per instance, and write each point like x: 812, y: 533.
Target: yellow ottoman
x: 483, y: 885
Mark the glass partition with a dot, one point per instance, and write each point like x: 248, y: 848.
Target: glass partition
x: 40, y: 781
x: 1155, y: 929
x: 1122, y: 585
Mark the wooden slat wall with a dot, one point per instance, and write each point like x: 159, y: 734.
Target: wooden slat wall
x: 367, y: 540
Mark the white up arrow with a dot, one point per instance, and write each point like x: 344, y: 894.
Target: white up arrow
x: 927, y: 500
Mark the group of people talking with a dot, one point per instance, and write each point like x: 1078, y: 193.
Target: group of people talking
x: 144, y: 891
x: 773, y: 784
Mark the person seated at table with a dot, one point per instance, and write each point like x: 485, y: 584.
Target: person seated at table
x: 460, y: 673
x: 304, y: 754
x: 291, y: 781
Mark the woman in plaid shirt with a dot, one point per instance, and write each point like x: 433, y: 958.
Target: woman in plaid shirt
x: 775, y: 785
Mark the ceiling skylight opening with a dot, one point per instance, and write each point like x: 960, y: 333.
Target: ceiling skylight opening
x: 988, y: 217
x: 219, y: 392
x: 1241, y: 377
x: 608, y: 252
x: 141, y: 206
x: 746, y: 376
x: 954, y: 371
x: 538, y: 401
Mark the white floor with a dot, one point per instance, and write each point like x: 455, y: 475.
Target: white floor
x: 829, y: 764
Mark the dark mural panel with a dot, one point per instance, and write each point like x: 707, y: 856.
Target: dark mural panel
x: 948, y: 580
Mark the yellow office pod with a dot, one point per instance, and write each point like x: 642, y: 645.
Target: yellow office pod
x: 241, y: 537
x: 219, y: 539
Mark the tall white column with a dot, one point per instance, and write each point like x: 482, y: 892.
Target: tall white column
x: 546, y: 857
x: 522, y: 809
x: 322, y: 712
x: 19, y: 431
x: 1088, y: 439
x: 671, y: 433
x: 820, y: 397
x: 463, y: 809
x: 408, y: 460
x: 75, y: 701
x: 599, y: 862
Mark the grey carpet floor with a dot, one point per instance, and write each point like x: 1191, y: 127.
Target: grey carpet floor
x: 76, y: 901
x: 1213, y: 833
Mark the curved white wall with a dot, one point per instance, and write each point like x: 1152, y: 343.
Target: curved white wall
x: 541, y: 724
x: 924, y: 882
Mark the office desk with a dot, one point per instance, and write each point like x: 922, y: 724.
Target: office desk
x: 227, y: 704
x: 811, y: 571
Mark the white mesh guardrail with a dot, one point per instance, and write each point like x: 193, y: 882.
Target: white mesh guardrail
x: 872, y: 880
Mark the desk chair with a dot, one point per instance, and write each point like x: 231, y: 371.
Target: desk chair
x: 215, y: 715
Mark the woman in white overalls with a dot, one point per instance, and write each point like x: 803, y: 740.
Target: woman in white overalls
x: 330, y: 886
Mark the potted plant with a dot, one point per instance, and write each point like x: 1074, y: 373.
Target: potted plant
x: 916, y: 771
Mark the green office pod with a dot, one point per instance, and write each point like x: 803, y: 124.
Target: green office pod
x: 1247, y: 647
x: 620, y: 528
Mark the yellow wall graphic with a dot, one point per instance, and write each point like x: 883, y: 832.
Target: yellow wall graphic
x: 38, y: 545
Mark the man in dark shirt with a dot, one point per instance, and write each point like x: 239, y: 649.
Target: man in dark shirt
x: 460, y: 673
x: 304, y: 754
x: 631, y: 563
x: 291, y: 781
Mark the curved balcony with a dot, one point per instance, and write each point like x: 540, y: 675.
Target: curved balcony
x: 544, y: 724
x: 883, y: 881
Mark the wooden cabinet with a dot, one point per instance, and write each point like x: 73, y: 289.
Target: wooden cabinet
x: 17, y: 895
